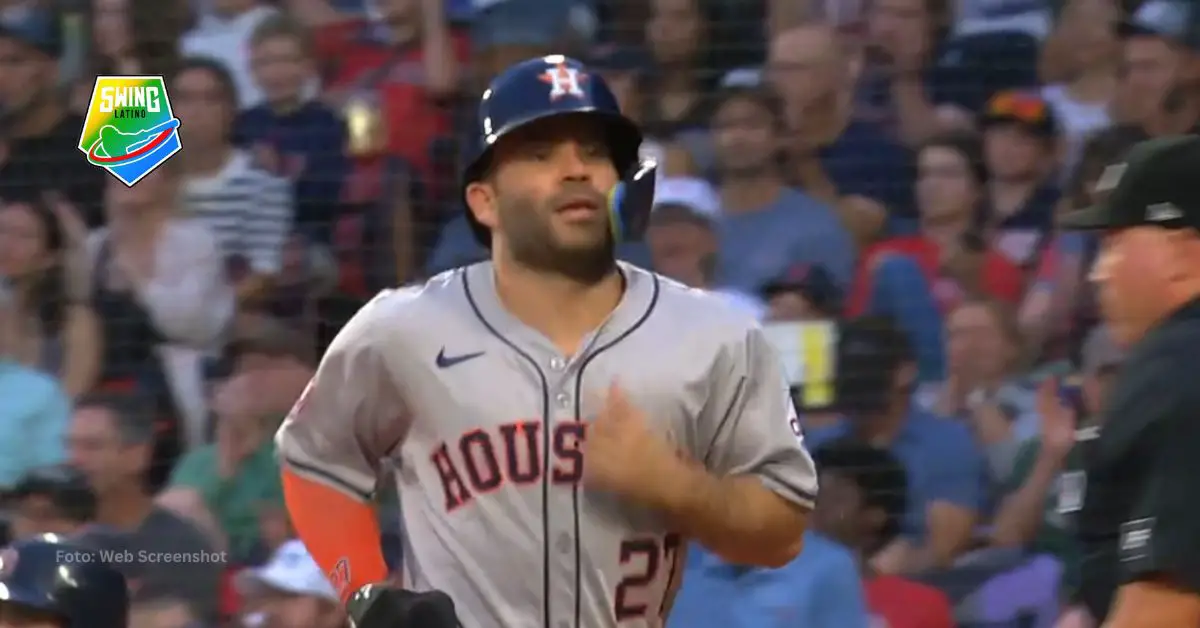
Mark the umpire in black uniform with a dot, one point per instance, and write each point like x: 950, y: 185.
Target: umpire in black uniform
x: 1140, y: 521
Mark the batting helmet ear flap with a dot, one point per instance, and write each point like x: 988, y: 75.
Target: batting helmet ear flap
x: 631, y: 200
x: 541, y: 88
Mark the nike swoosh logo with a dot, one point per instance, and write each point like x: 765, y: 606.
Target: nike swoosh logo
x: 444, y: 361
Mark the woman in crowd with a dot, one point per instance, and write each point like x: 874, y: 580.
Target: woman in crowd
x: 674, y: 91
x: 133, y: 37
x: 158, y: 281
x: 59, y: 333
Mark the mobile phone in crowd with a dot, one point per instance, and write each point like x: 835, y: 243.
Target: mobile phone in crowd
x: 1070, y: 391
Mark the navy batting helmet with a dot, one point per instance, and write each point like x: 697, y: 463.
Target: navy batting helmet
x: 66, y: 580
x: 541, y: 88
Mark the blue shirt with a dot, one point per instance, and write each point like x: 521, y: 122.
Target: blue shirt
x: 759, y: 246
x: 864, y: 161
x: 820, y: 588
x: 942, y: 462
x: 34, y: 412
x: 311, y: 145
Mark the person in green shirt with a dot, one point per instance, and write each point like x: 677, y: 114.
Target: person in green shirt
x: 233, y: 483
x: 1047, y: 483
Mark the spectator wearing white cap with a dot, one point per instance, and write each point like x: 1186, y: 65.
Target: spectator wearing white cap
x: 683, y: 243
x: 290, y: 591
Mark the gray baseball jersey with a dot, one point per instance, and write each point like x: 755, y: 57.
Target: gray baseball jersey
x: 484, y: 418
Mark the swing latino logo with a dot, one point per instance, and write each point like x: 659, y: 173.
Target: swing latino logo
x: 130, y: 129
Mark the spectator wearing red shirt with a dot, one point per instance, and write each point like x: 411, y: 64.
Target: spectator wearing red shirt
x: 863, y: 496
x: 389, y: 75
x: 951, y: 248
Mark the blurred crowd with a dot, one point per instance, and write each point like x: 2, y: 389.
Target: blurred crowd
x: 890, y: 170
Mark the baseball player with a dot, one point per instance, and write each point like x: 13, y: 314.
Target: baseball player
x: 47, y: 582
x: 561, y: 423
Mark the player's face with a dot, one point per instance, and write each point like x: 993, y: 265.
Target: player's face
x: 1133, y: 287
x: 546, y: 198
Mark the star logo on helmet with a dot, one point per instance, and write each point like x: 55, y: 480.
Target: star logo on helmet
x: 564, y: 81
x: 8, y: 562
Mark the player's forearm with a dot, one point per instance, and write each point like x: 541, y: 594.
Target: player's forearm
x: 736, y: 517
x: 341, y: 534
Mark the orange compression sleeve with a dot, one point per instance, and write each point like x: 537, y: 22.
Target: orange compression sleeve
x: 341, y: 534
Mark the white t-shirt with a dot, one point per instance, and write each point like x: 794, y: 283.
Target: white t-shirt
x: 1078, y: 121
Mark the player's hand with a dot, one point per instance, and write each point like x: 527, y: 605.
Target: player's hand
x: 622, y: 455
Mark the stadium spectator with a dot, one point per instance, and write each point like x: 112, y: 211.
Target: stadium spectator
x: 681, y: 37
x: 158, y: 279
x: 51, y: 500
x: 131, y: 37
x: 290, y: 591
x: 833, y: 155
x: 248, y: 209
x: 34, y: 412
x: 983, y: 386
x: 682, y: 239
x: 111, y: 439
x: 41, y: 131
x: 805, y: 292
x: 898, y: 88
x: 1020, y: 151
x: 820, y: 587
x: 766, y: 226
x: 1082, y: 103
x: 863, y: 497
x: 223, y: 35
x: 944, y: 466
x: 1046, y: 485
x: 950, y: 257
x: 294, y: 137
x: 1162, y: 66
x: 394, y: 71
x: 58, y: 329
x: 1059, y: 307
x: 232, y: 485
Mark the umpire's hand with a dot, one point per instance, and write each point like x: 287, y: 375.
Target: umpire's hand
x: 385, y: 606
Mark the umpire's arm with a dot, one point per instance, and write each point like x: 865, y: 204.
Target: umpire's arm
x: 1160, y: 545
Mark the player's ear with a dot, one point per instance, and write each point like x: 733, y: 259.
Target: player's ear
x: 481, y: 201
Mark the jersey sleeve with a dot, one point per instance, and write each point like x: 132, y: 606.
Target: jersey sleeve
x: 749, y: 424
x: 351, y: 415
x: 1160, y: 538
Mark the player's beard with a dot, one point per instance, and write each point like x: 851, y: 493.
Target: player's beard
x: 532, y: 243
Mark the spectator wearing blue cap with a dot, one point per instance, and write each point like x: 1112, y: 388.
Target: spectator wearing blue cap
x: 805, y: 292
